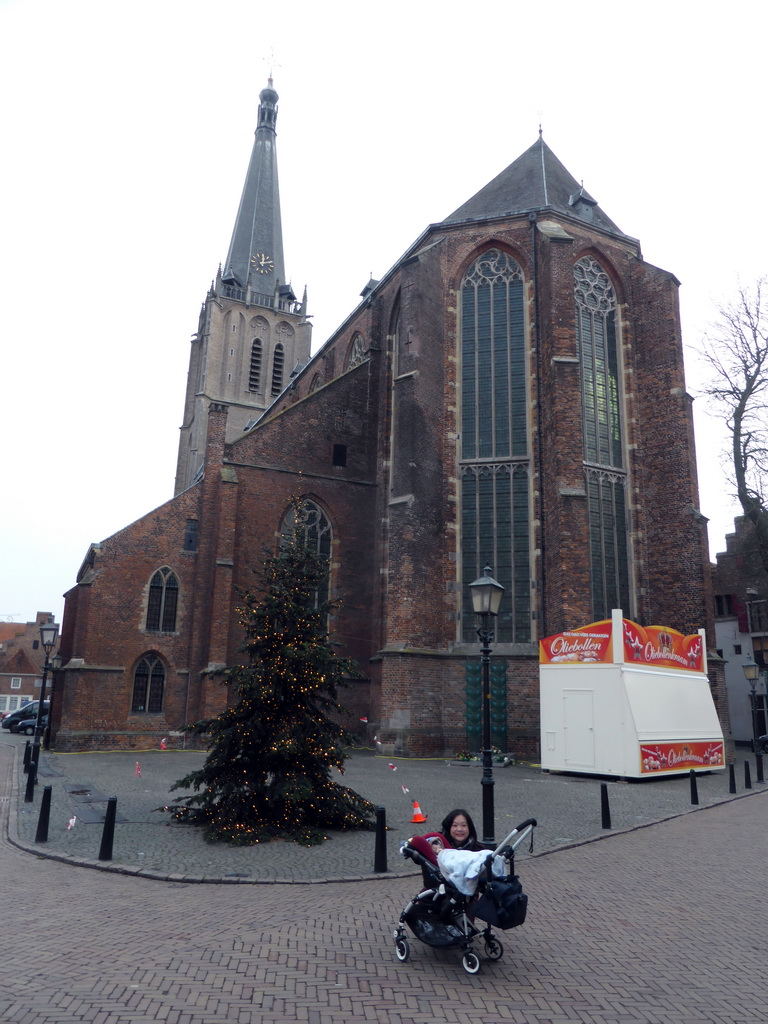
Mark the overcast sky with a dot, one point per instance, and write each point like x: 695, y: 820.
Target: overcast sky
x: 126, y: 134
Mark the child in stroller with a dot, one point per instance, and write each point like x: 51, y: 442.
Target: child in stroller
x: 461, y: 886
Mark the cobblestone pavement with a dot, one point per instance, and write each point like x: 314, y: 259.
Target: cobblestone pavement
x: 567, y: 808
x: 656, y: 924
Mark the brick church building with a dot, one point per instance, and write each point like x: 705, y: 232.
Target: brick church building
x: 511, y: 393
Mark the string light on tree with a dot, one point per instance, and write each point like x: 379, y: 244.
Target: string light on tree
x: 267, y: 773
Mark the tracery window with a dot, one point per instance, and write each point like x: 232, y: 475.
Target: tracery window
x: 495, y: 486
x: 162, y: 603
x: 254, y: 375
x: 606, y: 477
x: 313, y: 527
x: 278, y: 368
x: 148, y: 686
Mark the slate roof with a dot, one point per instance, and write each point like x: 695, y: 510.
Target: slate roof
x: 537, y: 180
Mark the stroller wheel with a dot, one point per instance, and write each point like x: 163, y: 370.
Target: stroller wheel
x: 470, y: 962
x: 402, y: 950
x: 494, y: 949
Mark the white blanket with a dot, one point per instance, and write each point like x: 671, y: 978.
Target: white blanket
x: 463, y: 868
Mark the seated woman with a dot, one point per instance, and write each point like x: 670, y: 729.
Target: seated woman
x: 460, y: 831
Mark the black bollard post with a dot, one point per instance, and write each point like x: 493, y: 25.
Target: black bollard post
x: 41, y: 836
x: 29, y: 792
x: 759, y: 766
x: 108, y: 835
x: 694, y: 788
x: 731, y: 779
x: 747, y: 776
x: 380, y: 850
x: 27, y: 755
x: 606, y: 810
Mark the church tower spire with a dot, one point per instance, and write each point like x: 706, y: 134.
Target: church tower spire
x: 256, y: 249
x: 252, y: 330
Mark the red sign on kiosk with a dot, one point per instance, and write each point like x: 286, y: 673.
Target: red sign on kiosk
x: 585, y: 645
x: 681, y: 756
x: 651, y: 646
x: 662, y: 647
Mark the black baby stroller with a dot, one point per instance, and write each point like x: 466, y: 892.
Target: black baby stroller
x: 440, y: 914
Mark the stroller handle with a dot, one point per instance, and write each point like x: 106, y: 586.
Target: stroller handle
x: 517, y: 835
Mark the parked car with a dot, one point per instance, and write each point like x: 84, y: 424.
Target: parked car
x: 7, y: 714
x: 27, y: 726
x: 12, y: 720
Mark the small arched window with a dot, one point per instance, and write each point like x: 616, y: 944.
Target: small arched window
x: 163, y: 601
x: 254, y: 375
x: 148, y: 686
x: 278, y: 367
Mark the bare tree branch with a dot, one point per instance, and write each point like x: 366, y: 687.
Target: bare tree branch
x: 736, y: 349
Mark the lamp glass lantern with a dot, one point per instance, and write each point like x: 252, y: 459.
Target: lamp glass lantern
x: 751, y: 671
x: 486, y: 594
x: 48, y: 634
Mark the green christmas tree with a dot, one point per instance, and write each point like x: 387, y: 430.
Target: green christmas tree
x: 271, y: 754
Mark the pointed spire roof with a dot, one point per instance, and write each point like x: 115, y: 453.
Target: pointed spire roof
x: 257, y: 240
x: 537, y: 180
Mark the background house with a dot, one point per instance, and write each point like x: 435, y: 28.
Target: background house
x: 21, y: 661
x: 741, y: 627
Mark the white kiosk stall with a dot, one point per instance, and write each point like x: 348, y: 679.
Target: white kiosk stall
x: 627, y: 700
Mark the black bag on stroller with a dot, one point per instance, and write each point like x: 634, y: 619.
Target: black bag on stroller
x: 503, y: 904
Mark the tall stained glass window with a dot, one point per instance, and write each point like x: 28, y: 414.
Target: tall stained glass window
x: 313, y: 527
x: 494, y: 464
x: 606, y: 476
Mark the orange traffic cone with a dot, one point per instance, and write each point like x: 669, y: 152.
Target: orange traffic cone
x: 417, y: 815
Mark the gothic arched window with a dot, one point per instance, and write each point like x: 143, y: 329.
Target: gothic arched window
x: 254, y: 374
x: 311, y: 525
x: 278, y: 367
x: 163, y: 601
x: 606, y: 477
x: 148, y: 686
x: 495, y: 488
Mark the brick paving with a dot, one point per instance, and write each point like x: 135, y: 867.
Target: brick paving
x: 661, y: 923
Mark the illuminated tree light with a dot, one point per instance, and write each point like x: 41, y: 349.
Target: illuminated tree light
x: 278, y: 731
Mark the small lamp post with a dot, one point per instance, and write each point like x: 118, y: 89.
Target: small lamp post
x: 48, y: 634
x: 486, y: 600
x: 752, y: 673
x: 56, y: 663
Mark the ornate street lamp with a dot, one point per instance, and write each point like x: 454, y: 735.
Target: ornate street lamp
x: 48, y: 635
x: 486, y: 600
x: 56, y: 663
x: 752, y: 673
